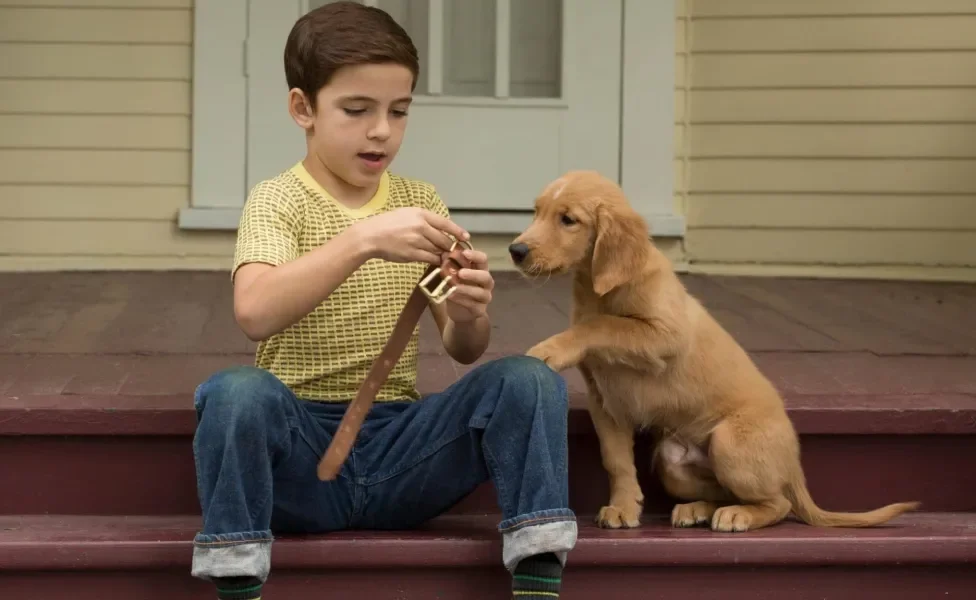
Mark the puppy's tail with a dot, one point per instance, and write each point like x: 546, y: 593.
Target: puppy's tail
x: 807, y: 510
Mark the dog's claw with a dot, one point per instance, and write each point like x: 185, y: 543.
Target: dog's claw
x: 692, y: 514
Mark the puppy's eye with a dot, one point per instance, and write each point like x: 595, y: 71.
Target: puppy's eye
x: 567, y: 220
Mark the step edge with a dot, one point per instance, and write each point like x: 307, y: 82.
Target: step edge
x: 450, y: 552
x: 925, y: 538
x: 163, y: 415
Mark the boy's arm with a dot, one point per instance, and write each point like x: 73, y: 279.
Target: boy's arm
x: 274, y: 287
x: 269, y: 299
x: 466, y: 341
x: 467, y: 338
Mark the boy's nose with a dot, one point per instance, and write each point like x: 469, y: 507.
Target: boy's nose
x: 380, y: 131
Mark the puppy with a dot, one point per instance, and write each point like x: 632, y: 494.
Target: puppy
x: 653, y: 358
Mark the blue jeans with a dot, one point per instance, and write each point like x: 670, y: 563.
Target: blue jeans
x: 257, y: 447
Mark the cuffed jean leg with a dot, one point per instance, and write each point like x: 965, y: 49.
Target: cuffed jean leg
x: 506, y: 421
x: 256, y: 448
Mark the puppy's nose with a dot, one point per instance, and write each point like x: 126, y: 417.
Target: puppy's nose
x: 518, y: 252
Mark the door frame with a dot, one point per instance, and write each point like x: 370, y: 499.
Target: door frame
x: 219, y: 138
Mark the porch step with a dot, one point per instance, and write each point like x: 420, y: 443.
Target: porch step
x: 132, y: 455
x: 63, y: 557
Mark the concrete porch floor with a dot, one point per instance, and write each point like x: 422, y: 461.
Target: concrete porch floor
x: 162, y: 333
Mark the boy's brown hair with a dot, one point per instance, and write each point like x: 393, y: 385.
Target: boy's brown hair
x: 340, y: 34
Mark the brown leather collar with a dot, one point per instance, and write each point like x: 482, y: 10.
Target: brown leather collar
x: 435, y: 286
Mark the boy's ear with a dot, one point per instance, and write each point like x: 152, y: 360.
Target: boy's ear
x: 300, y: 109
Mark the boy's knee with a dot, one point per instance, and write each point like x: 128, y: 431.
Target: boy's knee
x: 238, y: 391
x: 531, y: 380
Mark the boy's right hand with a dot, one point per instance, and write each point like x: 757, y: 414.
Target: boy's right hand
x: 410, y: 235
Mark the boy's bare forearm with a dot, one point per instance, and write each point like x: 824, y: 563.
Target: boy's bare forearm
x: 467, y: 341
x: 281, y: 296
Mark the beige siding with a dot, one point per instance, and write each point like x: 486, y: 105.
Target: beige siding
x: 95, y: 136
x: 811, y: 137
x: 831, y: 136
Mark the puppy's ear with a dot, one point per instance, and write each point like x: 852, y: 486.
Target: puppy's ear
x: 620, y: 250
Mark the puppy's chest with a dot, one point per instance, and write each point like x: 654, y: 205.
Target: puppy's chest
x: 629, y: 395
x: 638, y: 398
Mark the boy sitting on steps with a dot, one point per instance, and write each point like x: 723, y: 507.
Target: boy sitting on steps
x: 327, y: 254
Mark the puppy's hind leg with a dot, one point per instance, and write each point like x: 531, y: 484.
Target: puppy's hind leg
x: 745, y: 466
x: 686, y: 473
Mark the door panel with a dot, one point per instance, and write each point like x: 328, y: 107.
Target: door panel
x: 535, y: 45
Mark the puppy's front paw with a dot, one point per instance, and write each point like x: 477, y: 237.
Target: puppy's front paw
x: 616, y: 517
x: 555, y: 352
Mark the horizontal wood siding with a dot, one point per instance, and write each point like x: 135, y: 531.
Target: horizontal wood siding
x: 831, y: 135
x: 816, y: 137
x: 95, y: 102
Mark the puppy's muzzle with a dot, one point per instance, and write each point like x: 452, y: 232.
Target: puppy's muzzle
x: 518, y: 252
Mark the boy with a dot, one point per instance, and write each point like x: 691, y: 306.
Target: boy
x: 327, y: 254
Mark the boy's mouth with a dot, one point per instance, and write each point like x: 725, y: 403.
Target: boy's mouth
x: 372, y: 156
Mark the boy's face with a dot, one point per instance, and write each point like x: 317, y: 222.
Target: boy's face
x: 359, y: 121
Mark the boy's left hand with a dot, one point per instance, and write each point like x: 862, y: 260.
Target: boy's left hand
x: 473, y: 294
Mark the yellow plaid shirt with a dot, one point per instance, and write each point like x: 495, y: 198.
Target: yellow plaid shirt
x: 326, y: 355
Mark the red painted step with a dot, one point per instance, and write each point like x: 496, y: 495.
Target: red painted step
x: 148, y: 557
x: 124, y: 455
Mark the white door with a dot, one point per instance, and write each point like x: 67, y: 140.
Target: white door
x: 512, y: 93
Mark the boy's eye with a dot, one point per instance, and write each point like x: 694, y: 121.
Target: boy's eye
x: 354, y: 111
x: 400, y: 113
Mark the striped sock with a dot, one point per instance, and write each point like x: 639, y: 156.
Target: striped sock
x: 238, y: 588
x: 537, y: 578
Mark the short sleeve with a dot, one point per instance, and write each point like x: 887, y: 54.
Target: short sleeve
x: 436, y: 205
x: 269, y: 227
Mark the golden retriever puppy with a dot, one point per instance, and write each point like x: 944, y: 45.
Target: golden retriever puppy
x: 653, y: 358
